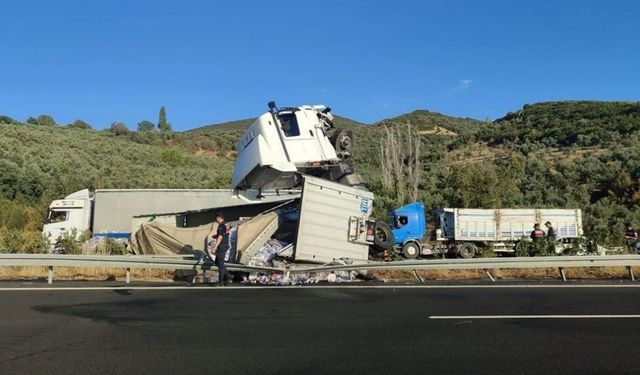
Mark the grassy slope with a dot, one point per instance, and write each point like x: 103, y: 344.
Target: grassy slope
x: 66, y: 159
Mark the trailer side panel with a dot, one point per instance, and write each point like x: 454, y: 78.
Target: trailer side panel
x: 512, y: 224
x: 323, y: 229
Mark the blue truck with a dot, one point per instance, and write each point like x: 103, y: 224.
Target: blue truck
x: 465, y: 232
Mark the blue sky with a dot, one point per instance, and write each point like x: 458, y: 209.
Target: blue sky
x: 208, y: 62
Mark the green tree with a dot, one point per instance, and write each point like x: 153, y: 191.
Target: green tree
x: 146, y: 126
x: 7, y: 120
x: 163, y: 125
x: 119, y: 128
x: 476, y: 186
x: 79, y: 124
x: 44, y: 120
x: 9, y: 176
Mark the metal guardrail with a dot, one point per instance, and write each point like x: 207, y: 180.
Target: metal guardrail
x: 487, y: 264
x: 119, y: 261
x: 191, y: 263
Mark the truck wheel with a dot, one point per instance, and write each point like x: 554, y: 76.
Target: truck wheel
x: 343, y: 142
x: 467, y: 250
x: 383, y: 236
x: 411, y: 250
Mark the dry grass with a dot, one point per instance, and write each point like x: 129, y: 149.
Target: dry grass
x: 475, y: 153
x: 207, y: 153
x: 481, y: 152
x: 591, y: 273
x: 438, y: 131
x: 569, y: 154
x: 118, y: 274
x: 69, y: 273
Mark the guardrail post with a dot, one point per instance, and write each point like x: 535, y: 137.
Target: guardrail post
x: 50, y: 275
x: 287, y: 273
x: 563, y: 274
x: 631, y: 275
x: 415, y: 273
x: 128, y: 275
x: 488, y: 273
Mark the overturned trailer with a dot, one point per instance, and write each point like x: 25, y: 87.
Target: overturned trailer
x: 329, y: 221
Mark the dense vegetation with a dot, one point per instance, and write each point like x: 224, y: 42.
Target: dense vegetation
x: 40, y: 163
x: 561, y: 154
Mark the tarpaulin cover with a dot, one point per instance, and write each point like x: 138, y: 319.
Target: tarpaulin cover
x: 163, y: 239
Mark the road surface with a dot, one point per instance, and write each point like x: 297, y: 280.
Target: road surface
x: 324, y: 330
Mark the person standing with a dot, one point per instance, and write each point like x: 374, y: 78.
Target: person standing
x: 537, y: 234
x: 551, y: 232
x: 220, y: 247
x: 631, y: 236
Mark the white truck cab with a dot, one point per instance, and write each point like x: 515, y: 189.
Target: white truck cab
x: 67, y: 215
x: 284, y: 142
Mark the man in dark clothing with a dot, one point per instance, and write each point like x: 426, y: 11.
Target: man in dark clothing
x: 551, y: 232
x: 631, y: 235
x: 537, y: 234
x: 220, y: 248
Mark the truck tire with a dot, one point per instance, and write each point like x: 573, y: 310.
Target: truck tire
x: 342, y: 141
x: 411, y: 250
x: 382, y: 235
x: 467, y: 250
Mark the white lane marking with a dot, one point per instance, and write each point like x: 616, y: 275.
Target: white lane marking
x: 297, y: 287
x: 471, y: 317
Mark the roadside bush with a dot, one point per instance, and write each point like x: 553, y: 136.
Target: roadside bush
x: 582, y: 246
x: 12, y: 215
x: 112, y: 247
x: 524, y: 248
x: 11, y: 241
x: 174, y: 157
x: 68, y: 244
x: 34, y: 243
x: 16, y: 241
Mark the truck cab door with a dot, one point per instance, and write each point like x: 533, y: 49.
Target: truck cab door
x: 305, y: 142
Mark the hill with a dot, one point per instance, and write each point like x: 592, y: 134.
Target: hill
x: 561, y: 154
x: 561, y: 124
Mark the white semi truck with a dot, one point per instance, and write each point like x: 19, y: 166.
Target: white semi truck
x: 109, y: 212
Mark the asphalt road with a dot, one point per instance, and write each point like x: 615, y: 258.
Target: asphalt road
x: 444, y: 330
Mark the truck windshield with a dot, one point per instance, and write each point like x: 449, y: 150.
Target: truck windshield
x: 58, y: 216
x: 289, y: 124
x: 400, y: 221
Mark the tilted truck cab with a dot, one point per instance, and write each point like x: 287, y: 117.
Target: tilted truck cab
x: 284, y: 143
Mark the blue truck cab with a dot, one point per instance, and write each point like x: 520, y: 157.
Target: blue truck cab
x: 409, y: 228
